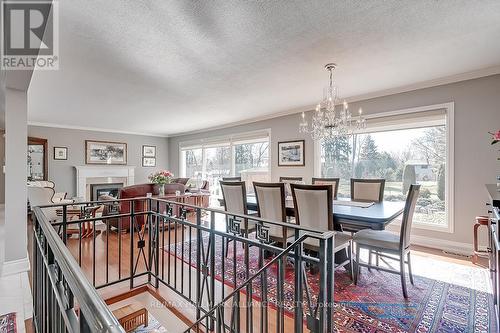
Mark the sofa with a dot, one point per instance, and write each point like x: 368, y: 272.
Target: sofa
x: 137, y: 191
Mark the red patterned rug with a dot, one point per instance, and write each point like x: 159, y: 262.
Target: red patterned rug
x: 376, y: 304
x: 8, y: 323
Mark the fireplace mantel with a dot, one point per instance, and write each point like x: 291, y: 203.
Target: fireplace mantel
x: 87, y: 174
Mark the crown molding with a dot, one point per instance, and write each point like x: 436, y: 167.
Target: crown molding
x: 94, y: 129
x: 484, y: 72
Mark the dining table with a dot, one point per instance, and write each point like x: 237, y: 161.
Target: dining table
x: 351, y: 215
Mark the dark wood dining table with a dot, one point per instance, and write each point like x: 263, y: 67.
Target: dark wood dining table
x: 352, y: 218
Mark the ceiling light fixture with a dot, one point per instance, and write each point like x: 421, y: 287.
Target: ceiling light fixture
x: 328, y: 123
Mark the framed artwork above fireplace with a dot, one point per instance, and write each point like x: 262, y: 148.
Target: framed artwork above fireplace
x: 104, y: 152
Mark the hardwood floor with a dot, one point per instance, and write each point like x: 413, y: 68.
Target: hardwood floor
x: 113, y: 250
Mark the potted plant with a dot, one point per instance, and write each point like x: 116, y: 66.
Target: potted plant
x: 161, y: 178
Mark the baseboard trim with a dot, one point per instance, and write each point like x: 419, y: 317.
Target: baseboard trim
x: 16, y: 266
x: 445, y: 245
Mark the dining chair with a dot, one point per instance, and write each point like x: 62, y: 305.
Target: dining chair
x: 231, y: 179
x: 334, y: 182
x: 313, y: 206
x: 235, y: 201
x: 389, y: 245
x: 271, y: 206
x: 367, y: 189
x: 290, y: 180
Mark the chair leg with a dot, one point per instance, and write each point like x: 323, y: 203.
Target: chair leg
x: 357, y: 270
x: 409, y: 269
x: 351, y: 264
x: 403, y: 275
x: 227, y: 246
x: 376, y: 258
x: 475, y: 242
x: 370, y: 260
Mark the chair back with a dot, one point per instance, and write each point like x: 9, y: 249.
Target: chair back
x: 235, y: 196
x: 271, y: 201
x: 231, y: 179
x: 334, y: 182
x: 40, y: 196
x: 42, y: 183
x: 313, y: 206
x: 411, y: 202
x: 271, y: 204
x: 367, y: 189
x: 290, y: 180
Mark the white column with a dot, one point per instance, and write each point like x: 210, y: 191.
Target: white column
x: 16, y: 134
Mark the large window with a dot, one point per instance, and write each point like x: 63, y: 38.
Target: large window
x: 402, y: 150
x: 245, y: 155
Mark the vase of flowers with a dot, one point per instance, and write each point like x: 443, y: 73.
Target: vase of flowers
x: 161, y: 178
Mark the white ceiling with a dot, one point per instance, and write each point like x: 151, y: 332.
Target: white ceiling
x: 167, y: 67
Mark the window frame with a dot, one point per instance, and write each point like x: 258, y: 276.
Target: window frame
x: 228, y: 140
x: 449, y: 109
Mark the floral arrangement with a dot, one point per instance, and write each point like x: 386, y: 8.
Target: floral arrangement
x: 496, y: 137
x: 161, y: 177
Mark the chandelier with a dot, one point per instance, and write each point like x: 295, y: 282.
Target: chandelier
x: 328, y: 123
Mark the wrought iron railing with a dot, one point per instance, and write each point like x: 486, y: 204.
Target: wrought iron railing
x: 204, y: 256
x: 63, y: 299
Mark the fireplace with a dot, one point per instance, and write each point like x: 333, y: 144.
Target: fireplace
x: 108, y: 176
x: 96, y: 190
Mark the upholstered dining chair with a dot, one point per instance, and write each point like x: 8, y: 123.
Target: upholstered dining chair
x: 271, y: 206
x: 334, y: 182
x: 367, y: 189
x: 290, y: 180
x: 231, y: 179
x: 314, y: 209
x: 389, y: 245
x: 235, y: 201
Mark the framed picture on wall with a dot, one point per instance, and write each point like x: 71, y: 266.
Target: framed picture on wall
x: 104, y: 152
x: 61, y: 153
x: 149, y: 161
x: 291, y: 153
x: 148, y: 151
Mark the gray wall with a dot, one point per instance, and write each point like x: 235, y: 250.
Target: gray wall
x: 63, y: 172
x: 477, y: 111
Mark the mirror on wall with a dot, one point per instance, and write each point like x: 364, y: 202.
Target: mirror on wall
x: 37, y: 159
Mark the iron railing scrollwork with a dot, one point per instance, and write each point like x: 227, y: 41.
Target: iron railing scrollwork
x: 203, y: 255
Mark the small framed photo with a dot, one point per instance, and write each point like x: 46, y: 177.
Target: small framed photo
x: 291, y: 153
x: 148, y: 151
x: 60, y: 153
x: 149, y: 161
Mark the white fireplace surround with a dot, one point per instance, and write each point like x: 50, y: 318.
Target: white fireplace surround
x: 86, y: 175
